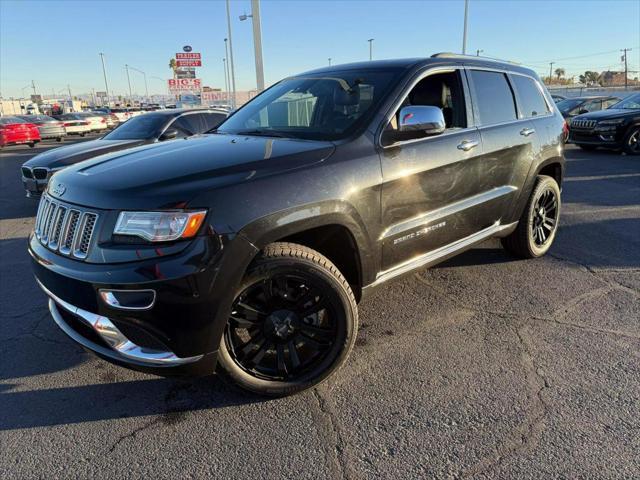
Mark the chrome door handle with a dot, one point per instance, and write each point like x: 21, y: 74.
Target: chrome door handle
x: 467, y: 145
x: 527, y: 131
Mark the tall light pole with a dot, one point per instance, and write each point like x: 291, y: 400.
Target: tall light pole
x: 126, y: 67
x: 233, y: 74
x: 550, y: 71
x: 226, y: 54
x: 478, y: 52
x: 371, y: 48
x: 146, y: 87
x: 257, y: 41
x: 33, y: 85
x: 226, y: 82
x: 329, y: 61
x: 164, y: 82
x: 464, y: 30
x: 104, y: 73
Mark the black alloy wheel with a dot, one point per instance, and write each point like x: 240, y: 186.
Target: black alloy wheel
x: 292, y: 323
x: 544, y: 217
x: 538, y: 224
x: 632, y: 142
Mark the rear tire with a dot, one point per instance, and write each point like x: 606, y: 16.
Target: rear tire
x: 59, y: 139
x: 538, y: 224
x: 631, y: 145
x: 82, y: 134
x: 293, y: 323
x: 588, y: 148
x: 31, y: 144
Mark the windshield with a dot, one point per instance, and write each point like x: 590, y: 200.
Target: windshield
x: 568, y: 104
x: 629, y: 103
x: 139, y: 128
x: 318, y: 107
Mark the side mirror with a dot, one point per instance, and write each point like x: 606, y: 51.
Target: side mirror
x: 421, y: 119
x: 169, y: 134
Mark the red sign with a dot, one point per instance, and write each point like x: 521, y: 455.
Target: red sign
x: 178, y: 85
x: 188, y: 56
x: 188, y: 63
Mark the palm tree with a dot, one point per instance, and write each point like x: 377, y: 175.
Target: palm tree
x: 173, y: 66
x: 559, y: 72
x: 591, y: 77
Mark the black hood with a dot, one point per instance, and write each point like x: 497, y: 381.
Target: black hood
x: 608, y: 113
x: 166, y: 175
x: 70, y: 154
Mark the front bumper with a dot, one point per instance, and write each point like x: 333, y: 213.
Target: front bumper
x: 178, y: 335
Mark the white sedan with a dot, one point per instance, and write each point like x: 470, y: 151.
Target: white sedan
x: 74, y: 124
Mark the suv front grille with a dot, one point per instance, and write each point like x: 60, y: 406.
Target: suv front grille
x: 26, y: 171
x: 583, y: 124
x: 40, y: 173
x: 65, y: 228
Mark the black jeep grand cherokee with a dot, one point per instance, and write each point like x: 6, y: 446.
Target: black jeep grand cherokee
x: 251, y: 247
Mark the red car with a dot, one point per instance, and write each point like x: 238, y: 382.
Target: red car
x: 14, y: 130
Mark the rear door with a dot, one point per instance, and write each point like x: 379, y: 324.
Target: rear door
x: 509, y: 138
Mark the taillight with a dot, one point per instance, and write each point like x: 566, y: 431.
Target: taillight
x: 103, y: 121
x: 84, y: 123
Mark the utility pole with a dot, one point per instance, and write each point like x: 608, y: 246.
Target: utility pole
x: 550, y: 71
x: 464, y: 30
x: 371, y: 48
x: 233, y: 74
x: 33, y: 85
x: 104, y: 73
x: 70, y: 98
x: 478, y: 52
x: 626, y: 68
x: 329, y: 61
x: 129, y: 82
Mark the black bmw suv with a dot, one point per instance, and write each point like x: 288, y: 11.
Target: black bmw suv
x: 250, y: 248
x: 617, y: 127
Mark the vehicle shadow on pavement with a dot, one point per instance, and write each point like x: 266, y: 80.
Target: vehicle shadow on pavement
x: 171, y: 399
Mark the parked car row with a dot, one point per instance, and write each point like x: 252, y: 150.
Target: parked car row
x: 153, y: 127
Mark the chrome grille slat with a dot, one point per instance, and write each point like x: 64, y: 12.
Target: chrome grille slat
x: 61, y: 217
x: 61, y: 227
x: 69, y: 232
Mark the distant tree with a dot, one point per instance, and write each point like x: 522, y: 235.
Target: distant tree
x: 559, y: 72
x: 592, y: 77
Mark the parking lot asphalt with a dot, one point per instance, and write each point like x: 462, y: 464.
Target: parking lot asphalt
x: 481, y: 367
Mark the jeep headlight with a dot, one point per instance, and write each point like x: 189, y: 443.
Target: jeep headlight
x: 159, y: 226
x: 608, y: 123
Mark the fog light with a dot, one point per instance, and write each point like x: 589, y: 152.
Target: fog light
x: 129, y: 299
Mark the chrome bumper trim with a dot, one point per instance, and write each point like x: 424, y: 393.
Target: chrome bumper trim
x: 122, y: 348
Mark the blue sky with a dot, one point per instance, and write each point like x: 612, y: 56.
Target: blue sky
x: 56, y: 43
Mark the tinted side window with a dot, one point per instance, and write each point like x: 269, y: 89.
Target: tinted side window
x: 610, y: 101
x: 212, y: 120
x: 493, y: 97
x: 184, y: 127
x: 532, y: 102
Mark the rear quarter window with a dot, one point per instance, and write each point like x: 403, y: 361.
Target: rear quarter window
x: 532, y: 103
x: 493, y: 97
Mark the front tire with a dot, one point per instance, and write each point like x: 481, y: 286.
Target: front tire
x: 631, y: 144
x: 538, y: 224
x: 293, y: 322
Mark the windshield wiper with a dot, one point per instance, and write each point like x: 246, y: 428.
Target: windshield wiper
x: 262, y: 133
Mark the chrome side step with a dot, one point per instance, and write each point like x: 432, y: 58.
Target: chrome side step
x: 442, y: 253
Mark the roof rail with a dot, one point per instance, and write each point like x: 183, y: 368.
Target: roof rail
x: 470, y: 57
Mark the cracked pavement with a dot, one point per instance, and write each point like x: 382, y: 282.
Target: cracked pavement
x: 481, y: 367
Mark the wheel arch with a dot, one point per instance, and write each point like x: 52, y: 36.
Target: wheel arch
x: 333, y: 229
